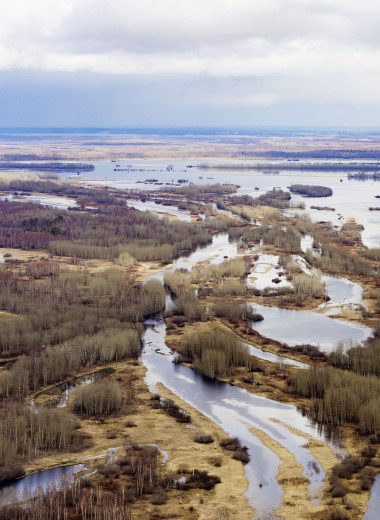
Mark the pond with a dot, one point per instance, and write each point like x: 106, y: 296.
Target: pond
x: 305, y: 327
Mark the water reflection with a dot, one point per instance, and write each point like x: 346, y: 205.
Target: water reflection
x: 237, y: 411
x: 32, y: 485
x: 304, y: 327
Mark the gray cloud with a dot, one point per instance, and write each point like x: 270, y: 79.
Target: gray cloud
x: 214, y: 54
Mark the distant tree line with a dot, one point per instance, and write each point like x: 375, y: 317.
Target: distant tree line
x: 52, y: 166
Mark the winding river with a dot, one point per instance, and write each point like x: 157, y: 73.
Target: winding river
x: 236, y: 411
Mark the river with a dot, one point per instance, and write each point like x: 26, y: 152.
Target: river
x: 234, y: 409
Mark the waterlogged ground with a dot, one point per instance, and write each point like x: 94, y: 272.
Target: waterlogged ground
x: 350, y: 199
x: 257, y: 421
x: 265, y: 426
x: 238, y: 412
x: 264, y: 271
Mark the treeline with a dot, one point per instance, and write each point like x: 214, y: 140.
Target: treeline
x: 339, y: 261
x: 275, y: 198
x: 188, y: 306
x: 361, y: 360
x: 364, y: 176
x: 237, y: 267
x: 318, y: 154
x: 25, y: 433
x: 53, y: 166
x: 178, y: 281
x: 101, y: 398
x: 320, y: 166
x: 250, y: 213
x: 104, y: 235
x: 350, y: 233
x: 306, y: 286
x: 236, y: 311
x: 203, y: 189
x: 340, y: 397
x: 59, y: 308
x: 372, y: 253
x: 111, y: 231
x: 76, y: 501
x: 214, y: 353
x: 311, y: 191
x: 41, y: 269
x: 196, y: 208
x: 80, y: 193
x: 230, y: 287
x: 55, y: 364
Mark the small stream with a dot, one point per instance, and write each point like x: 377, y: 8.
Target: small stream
x: 274, y: 358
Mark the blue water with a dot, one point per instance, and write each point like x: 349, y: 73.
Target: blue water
x: 30, y: 486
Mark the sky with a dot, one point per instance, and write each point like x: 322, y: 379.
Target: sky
x: 189, y: 63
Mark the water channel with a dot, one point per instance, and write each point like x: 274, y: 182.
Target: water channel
x: 235, y: 410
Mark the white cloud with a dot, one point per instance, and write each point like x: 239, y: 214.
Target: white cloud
x: 321, y: 50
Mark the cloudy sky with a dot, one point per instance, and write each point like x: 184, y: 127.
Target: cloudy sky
x: 189, y: 62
